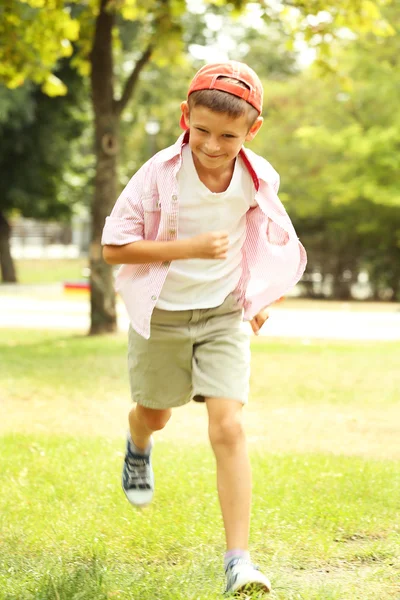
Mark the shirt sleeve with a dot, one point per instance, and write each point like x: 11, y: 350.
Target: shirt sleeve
x: 126, y: 221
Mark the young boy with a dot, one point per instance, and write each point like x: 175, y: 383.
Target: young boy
x: 203, y: 241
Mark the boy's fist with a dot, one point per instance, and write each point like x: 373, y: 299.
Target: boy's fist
x: 213, y: 244
x: 258, y: 320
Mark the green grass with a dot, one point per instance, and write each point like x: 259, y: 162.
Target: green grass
x: 38, y: 271
x: 326, y: 523
x: 337, y: 373
x: 325, y: 527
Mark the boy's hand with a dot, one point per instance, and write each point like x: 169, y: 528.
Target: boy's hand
x: 258, y: 321
x: 213, y: 244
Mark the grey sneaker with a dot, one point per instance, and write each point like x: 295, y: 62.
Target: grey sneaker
x: 242, y: 578
x: 137, y: 477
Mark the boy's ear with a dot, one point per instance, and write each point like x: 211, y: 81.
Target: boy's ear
x: 185, y: 113
x: 254, y: 129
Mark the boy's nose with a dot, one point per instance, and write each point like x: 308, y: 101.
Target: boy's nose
x: 212, y: 146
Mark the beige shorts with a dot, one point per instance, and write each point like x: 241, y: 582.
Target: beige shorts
x: 191, y: 354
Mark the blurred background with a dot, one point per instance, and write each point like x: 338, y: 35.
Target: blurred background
x: 90, y: 90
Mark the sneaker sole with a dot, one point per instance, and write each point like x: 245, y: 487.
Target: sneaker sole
x: 136, y: 505
x: 246, y: 591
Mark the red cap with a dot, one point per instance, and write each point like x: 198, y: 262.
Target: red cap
x: 211, y: 77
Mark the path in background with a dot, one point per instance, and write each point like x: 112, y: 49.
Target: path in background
x: 49, y: 307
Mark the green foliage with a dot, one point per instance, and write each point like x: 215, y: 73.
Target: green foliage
x: 16, y: 105
x: 35, y: 35
x: 37, y: 162
x: 335, y: 143
x: 46, y: 31
x: 320, y: 22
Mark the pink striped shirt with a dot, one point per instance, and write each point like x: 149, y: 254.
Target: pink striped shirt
x: 273, y: 259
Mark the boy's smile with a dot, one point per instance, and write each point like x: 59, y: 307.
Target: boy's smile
x: 216, y: 138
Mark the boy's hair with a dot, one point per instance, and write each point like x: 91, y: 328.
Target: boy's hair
x: 224, y: 102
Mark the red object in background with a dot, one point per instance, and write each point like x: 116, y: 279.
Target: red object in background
x: 76, y: 285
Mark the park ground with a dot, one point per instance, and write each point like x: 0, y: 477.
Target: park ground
x: 324, y: 429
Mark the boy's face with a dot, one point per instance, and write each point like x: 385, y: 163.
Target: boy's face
x: 216, y: 138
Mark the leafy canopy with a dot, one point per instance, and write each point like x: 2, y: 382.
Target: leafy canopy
x: 37, y: 33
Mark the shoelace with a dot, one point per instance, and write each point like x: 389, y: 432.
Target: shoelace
x: 137, y: 467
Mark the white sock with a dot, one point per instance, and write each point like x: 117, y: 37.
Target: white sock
x: 236, y: 553
x: 136, y: 450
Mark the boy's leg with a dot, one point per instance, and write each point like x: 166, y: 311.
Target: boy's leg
x: 229, y: 444
x: 143, y: 422
x: 137, y: 474
x: 160, y: 378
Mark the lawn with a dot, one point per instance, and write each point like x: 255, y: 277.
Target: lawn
x: 40, y: 271
x: 324, y: 430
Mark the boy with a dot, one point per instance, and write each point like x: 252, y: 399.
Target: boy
x: 203, y: 240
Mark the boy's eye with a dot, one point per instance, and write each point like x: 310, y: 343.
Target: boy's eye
x: 225, y: 135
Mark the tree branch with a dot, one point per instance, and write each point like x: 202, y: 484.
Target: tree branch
x: 132, y: 80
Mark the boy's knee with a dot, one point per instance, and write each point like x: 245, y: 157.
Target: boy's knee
x: 227, y: 431
x: 153, y: 419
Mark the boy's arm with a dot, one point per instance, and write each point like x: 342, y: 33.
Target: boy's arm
x: 211, y: 245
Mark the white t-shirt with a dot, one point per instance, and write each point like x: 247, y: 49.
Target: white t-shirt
x: 205, y: 283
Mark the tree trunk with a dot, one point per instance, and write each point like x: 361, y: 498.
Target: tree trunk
x: 107, y: 114
x: 8, y: 274
x: 102, y: 297
x: 396, y: 290
x: 341, y: 289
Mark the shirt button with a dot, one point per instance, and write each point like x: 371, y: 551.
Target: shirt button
x: 174, y: 198
x: 154, y: 298
x: 166, y: 263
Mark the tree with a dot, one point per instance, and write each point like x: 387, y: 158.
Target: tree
x: 15, y: 106
x: 35, y: 155
x: 336, y: 142
x: 98, y: 29
x: 46, y: 33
